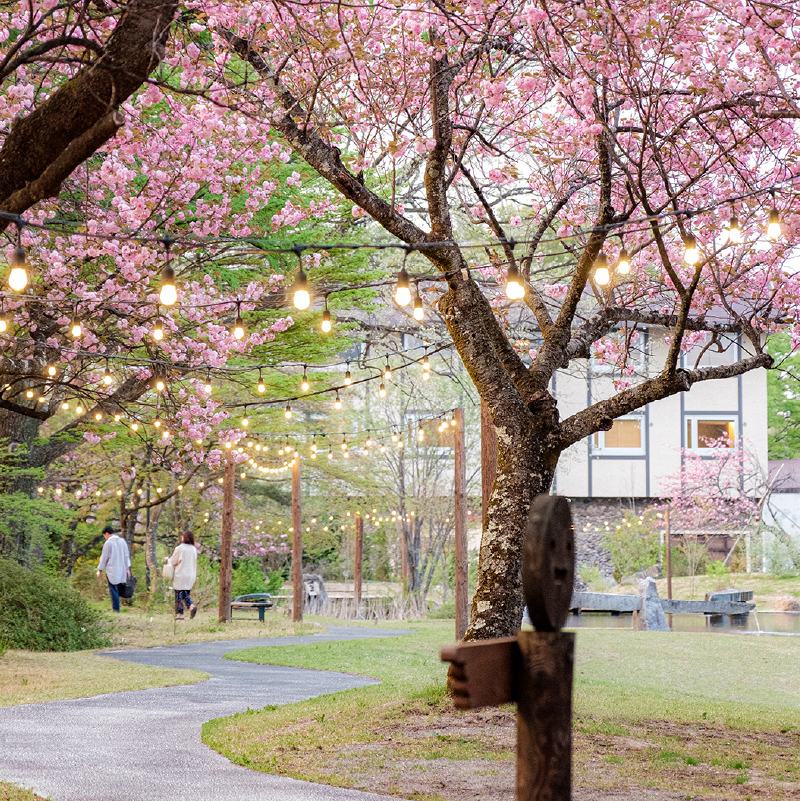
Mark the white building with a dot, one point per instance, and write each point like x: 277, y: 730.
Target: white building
x: 633, y: 459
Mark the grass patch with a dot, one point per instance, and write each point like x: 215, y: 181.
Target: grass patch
x: 140, y: 628
x: 28, y: 677
x: 650, y: 710
x: 10, y: 792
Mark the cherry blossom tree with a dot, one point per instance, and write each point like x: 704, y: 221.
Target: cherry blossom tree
x: 591, y: 147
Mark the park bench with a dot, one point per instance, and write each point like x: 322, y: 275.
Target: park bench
x: 257, y: 600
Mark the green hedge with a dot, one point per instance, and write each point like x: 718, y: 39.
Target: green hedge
x: 41, y: 613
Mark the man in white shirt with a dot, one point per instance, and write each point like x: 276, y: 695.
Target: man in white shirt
x: 116, y: 560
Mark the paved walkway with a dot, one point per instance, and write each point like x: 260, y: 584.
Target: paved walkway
x: 145, y: 745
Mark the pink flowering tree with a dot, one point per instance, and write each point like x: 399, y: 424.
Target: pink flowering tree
x: 563, y: 134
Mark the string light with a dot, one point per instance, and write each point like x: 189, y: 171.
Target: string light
x: 382, y: 390
x: 159, y: 385
x: 168, y: 294
x: 158, y: 330
x: 52, y: 370
x: 3, y: 320
x: 623, y: 262
x: 330, y: 455
x: 691, y: 254
x: 288, y: 412
x: 238, y: 327
x: 261, y: 387
x: 343, y: 446
x: 419, y: 312
x: 75, y: 328
x: 337, y: 404
x: 601, y: 274
x: 245, y: 419
x: 107, y: 377
x: 402, y: 292
x: 368, y: 443
x: 734, y: 232
x: 301, y: 298
x: 774, y: 220
x: 387, y: 372
x: 208, y: 388
x: 347, y: 378
x: 420, y: 434
x: 305, y: 385
x: 515, y: 289
x: 18, y: 277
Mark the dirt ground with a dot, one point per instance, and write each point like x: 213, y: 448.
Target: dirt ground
x: 655, y: 762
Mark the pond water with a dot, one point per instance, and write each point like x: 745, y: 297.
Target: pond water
x: 786, y: 623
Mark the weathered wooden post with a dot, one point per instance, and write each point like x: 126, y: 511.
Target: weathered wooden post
x: 298, y: 588
x: 358, y: 558
x: 226, y: 547
x: 460, y: 512
x: 535, y: 668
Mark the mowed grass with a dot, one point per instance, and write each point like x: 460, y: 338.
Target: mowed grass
x: 27, y: 677
x: 624, y: 681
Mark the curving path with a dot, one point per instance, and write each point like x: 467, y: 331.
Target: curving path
x: 144, y: 745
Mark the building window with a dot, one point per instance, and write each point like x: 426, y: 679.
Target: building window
x: 704, y: 432
x: 624, y: 438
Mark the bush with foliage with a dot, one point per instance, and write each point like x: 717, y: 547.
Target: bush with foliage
x: 41, y: 613
x: 247, y: 577
x: 634, y: 544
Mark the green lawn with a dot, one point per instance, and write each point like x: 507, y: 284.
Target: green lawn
x: 727, y: 685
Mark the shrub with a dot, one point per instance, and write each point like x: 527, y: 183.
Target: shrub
x: 248, y: 577
x: 42, y: 613
x: 633, y: 546
x: 444, y: 612
x: 593, y: 579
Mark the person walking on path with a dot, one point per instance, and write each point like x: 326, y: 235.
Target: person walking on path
x: 116, y: 560
x: 184, y: 560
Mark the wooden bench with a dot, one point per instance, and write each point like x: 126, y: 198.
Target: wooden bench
x: 257, y: 600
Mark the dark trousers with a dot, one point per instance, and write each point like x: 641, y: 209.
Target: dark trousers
x: 182, y: 597
x: 113, y: 591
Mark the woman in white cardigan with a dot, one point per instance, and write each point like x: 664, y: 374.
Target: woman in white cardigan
x: 184, y: 560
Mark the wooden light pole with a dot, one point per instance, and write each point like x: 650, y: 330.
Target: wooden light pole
x: 297, y: 545
x: 226, y: 549
x: 358, y: 559
x: 460, y: 483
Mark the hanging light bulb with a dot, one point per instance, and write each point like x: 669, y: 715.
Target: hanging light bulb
x: 261, y: 387
x: 29, y: 393
x: 419, y: 312
x: 774, y: 220
x: 382, y: 390
x: 515, y: 288
x: 159, y: 385
x: 314, y: 444
x: 75, y: 328
x: 330, y: 455
x: 387, y: 371
x: 402, y: 292
x: 347, y: 378
x: 343, y: 446
x: 426, y: 365
x: 107, y: 377
x: 601, y: 274
x: 238, y: 326
x: 326, y: 324
x: 52, y: 370
x: 623, y: 262
x: 245, y: 420
x: 158, y: 330
x: 734, y: 232
x: 208, y: 386
x: 383, y: 448
x: 304, y: 384
x: 394, y: 436
x: 691, y: 254
x: 18, y: 277
x: 134, y: 426
x: 301, y: 298
x: 368, y: 443
x: 79, y: 410
x: 288, y: 412
x: 420, y: 433
x: 168, y: 294
x: 337, y: 404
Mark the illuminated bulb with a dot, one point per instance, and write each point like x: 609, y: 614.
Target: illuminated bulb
x: 165, y: 434
x: 419, y: 312
x: 425, y: 375
x: 387, y: 373
x: 159, y: 386
x: 134, y: 427
x: 245, y: 421
x: 40, y: 489
x: 58, y: 491
x: 692, y: 254
x: 774, y: 224
x: 158, y: 331
x: 601, y: 274
x: 402, y: 293
x: 3, y: 324
x: 208, y: 386
x: 330, y: 454
x: 76, y: 328
x: 168, y: 294
x: 51, y: 370
x: 98, y: 416
x: 261, y: 387
x: 624, y: 262
x: 400, y: 444
x: 368, y: 443
x: 420, y: 435
x: 337, y: 404
x: 228, y: 444
x: 382, y: 391
x: 107, y: 377
x: 157, y: 423
x: 515, y: 289
x: 343, y: 446
x: 18, y: 277
x: 301, y: 297
x: 42, y: 399
x: 238, y: 327
x: 288, y: 412
x: 734, y: 232
x: 366, y: 452
x: 346, y: 456
x: 453, y: 420
x: 347, y: 377
x: 244, y: 475
x: 65, y: 406
x: 326, y: 324
x: 29, y: 393
x: 304, y: 384
x: 117, y: 418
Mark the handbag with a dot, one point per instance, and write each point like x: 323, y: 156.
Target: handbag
x: 126, y: 590
x: 168, y: 571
